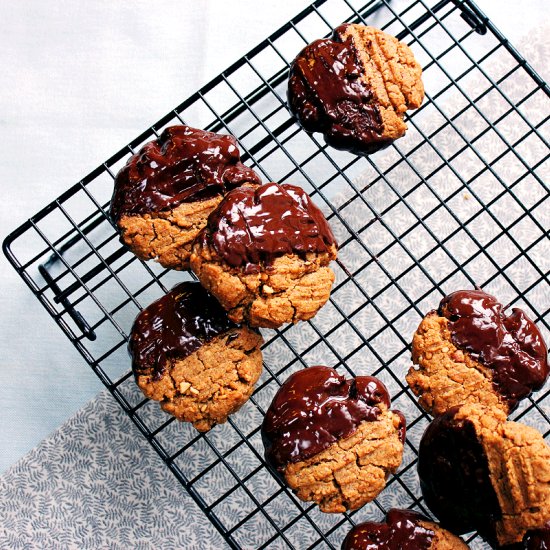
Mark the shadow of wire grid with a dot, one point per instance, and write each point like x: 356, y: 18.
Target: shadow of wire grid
x: 460, y: 201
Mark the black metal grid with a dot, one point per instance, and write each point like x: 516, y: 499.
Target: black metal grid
x: 460, y: 201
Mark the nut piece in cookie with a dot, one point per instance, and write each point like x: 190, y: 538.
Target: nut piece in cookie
x: 479, y: 472
x: 264, y: 255
x: 333, y: 441
x: 189, y: 356
x: 165, y: 192
x: 470, y: 351
x: 402, y: 530
x: 355, y: 88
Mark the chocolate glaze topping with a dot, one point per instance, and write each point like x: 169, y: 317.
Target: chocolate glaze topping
x: 252, y: 226
x: 316, y: 407
x: 511, y: 345
x: 327, y: 94
x: 537, y: 539
x: 454, y: 476
x: 401, y: 531
x: 175, y: 326
x: 183, y: 165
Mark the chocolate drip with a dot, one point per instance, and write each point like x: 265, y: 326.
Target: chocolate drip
x: 454, y: 476
x: 315, y: 408
x: 252, y: 226
x: 511, y: 345
x: 175, y: 326
x: 401, y: 531
x: 183, y: 165
x: 328, y: 94
x: 402, y: 429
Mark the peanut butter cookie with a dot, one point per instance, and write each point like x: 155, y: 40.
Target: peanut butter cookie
x: 165, y: 192
x: 355, y: 88
x: 479, y: 472
x: 402, y: 530
x: 470, y: 351
x: 188, y: 355
x: 333, y: 441
x: 264, y: 255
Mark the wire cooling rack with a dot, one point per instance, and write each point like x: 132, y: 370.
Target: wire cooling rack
x: 460, y: 201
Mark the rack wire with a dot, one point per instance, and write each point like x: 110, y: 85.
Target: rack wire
x: 460, y: 201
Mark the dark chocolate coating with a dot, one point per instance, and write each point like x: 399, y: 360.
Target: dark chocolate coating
x: 401, y: 531
x: 183, y: 165
x: 253, y: 225
x: 511, y: 345
x: 327, y: 94
x: 454, y: 476
x: 316, y: 407
x: 537, y: 539
x: 175, y: 326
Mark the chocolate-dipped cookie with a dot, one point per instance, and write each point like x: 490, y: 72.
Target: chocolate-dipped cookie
x: 471, y: 351
x: 188, y: 355
x: 333, y: 441
x: 264, y: 254
x: 355, y: 87
x: 402, y: 530
x: 479, y: 472
x: 165, y: 192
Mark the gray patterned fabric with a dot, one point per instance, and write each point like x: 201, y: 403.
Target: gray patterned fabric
x: 96, y: 483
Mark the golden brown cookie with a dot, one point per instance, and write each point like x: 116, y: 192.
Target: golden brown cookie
x: 264, y: 255
x: 470, y: 351
x: 355, y: 88
x: 402, y: 530
x: 165, y: 192
x: 188, y: 355
x: 333, y: 441
x: 479, y: 472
